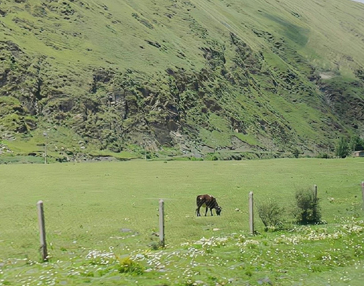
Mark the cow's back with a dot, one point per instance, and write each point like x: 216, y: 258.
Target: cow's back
x: 204, y: 200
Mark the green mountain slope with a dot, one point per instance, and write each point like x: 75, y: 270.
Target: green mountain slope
x: 191, y: 78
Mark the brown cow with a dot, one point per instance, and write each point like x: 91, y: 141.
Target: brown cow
x: 209, y: 202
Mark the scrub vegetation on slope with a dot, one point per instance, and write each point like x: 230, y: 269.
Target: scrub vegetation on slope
x: 193, y: 78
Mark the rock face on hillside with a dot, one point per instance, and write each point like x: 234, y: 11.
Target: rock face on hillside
x: 237, y: 100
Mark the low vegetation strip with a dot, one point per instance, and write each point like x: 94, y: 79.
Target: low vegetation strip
x: 305, y: 254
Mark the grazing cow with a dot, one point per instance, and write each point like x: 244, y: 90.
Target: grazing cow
x: 209, y: 202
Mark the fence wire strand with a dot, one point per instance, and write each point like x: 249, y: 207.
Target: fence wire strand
x: 77, y: 230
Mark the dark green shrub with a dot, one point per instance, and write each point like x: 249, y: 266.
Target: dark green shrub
x: 356, y: 143
x: 296, y: 152
x: 323, y: 156
x: 307, y: 209
x: 271, y: 214
x: 342, y: 148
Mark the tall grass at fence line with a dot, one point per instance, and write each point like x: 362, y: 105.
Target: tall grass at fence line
x: 102, y: 205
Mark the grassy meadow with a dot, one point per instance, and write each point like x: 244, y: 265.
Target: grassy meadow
x: 101, y: 219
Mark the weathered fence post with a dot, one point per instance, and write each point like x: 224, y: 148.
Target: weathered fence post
x: 251, y: 212
x: 362, y: 190
x: 315, y: 192
x: 42, y: 233
x: 161, y: 223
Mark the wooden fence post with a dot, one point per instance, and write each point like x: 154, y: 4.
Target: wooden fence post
x: 362, y: 190
x: 161, y: 223
x: 251, y: 212
x: 42, y: 233
x: 315, y: 192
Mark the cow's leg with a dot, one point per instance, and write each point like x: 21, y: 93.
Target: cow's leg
x: 198, y: 211
x: 207, y: 208
x: 211, y: 212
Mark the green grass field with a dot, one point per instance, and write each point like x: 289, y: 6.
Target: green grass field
x: 100, y: 220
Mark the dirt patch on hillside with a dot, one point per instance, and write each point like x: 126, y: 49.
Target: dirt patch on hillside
x: 326, y: 75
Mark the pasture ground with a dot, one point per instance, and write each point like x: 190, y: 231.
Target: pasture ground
x: 101, y: 219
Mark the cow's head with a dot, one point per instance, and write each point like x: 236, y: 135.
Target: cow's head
x: 218, y: 210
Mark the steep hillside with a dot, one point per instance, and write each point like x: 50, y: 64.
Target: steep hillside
x: 202, y: 78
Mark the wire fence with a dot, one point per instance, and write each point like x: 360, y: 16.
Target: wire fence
x: 76, y: 230
x: 18, y: 235
x: 79, y: 228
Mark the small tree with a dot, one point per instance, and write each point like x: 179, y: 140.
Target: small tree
x: 342, y: 148
x: 356, y: 143
x: 307, y: 209
x: 271, y: 214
